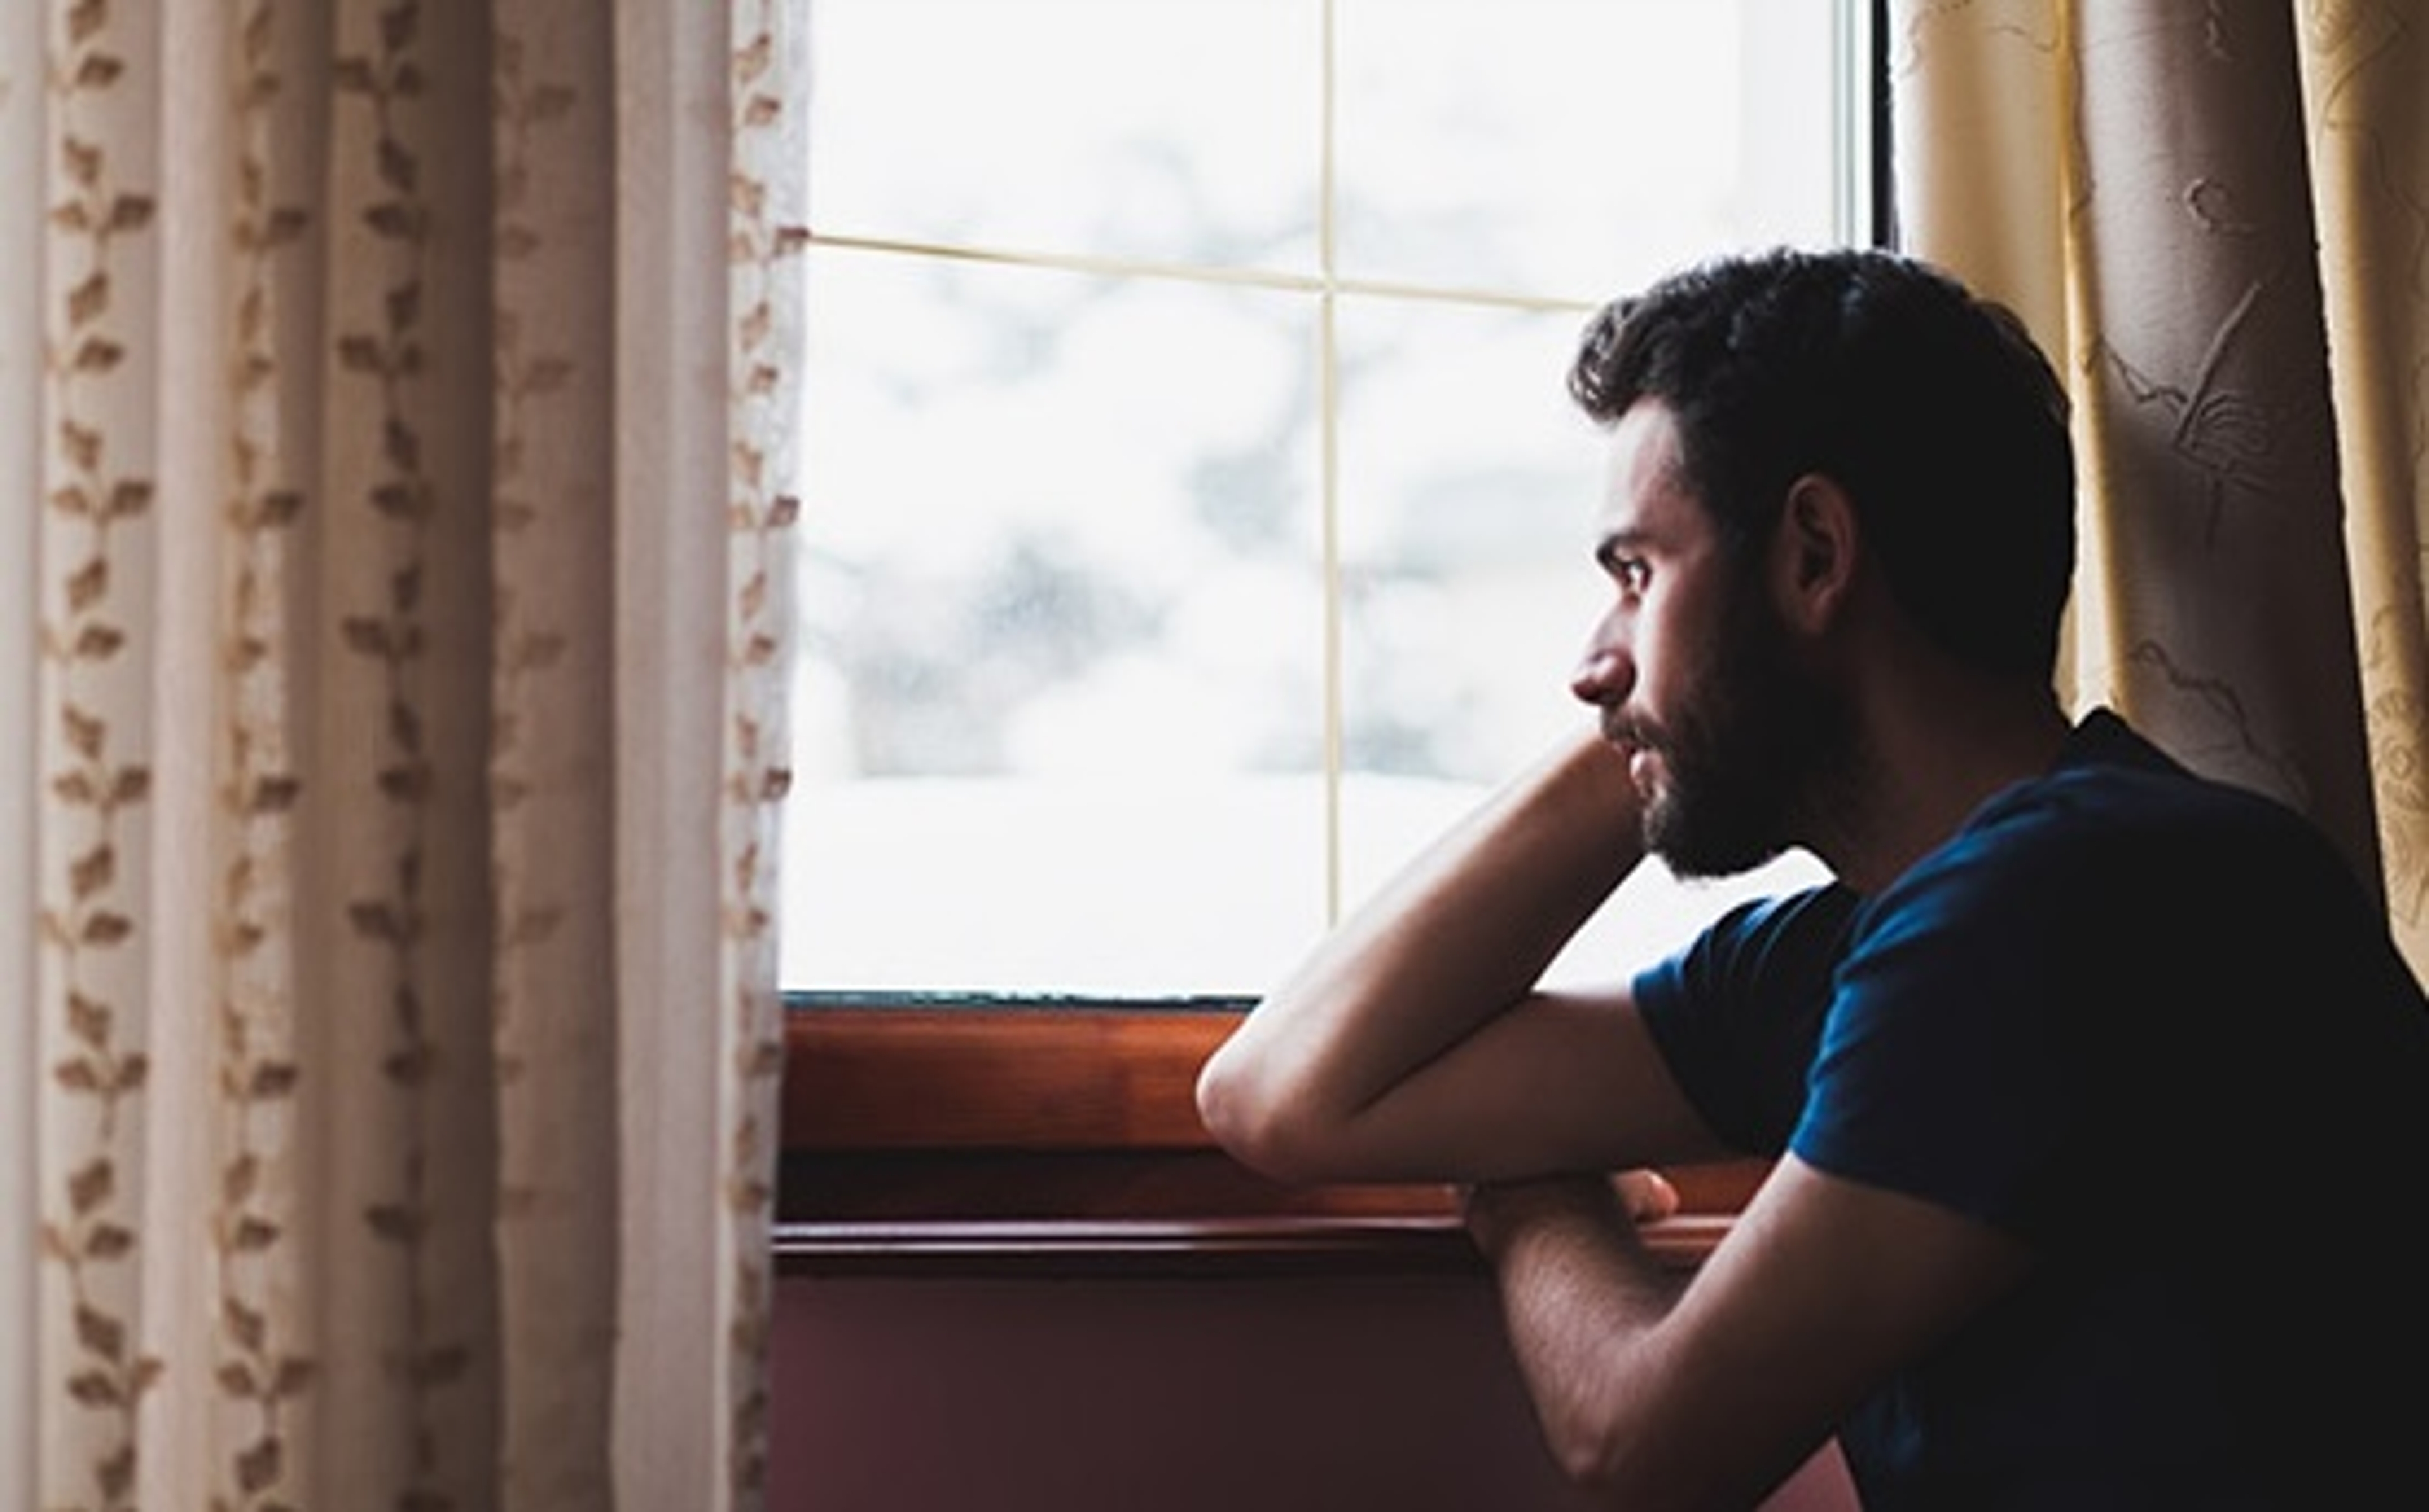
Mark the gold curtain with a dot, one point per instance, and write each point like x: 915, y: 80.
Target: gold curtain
x: 2215, y: 216
x: 393, y: 403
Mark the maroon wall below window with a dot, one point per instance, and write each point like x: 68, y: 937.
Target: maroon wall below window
x: 1259, y: 1393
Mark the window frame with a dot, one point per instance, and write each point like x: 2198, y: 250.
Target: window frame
x: 996, y: 1134
x: 973, y: 1135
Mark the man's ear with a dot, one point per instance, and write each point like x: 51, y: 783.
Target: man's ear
x: 1814, y: 551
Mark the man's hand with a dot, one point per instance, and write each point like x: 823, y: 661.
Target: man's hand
x: 1646, y: 1194
x: 1491, y: 1209
x: 1495, y: 1212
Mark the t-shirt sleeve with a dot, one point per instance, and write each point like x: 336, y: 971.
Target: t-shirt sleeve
x: 1738, y: 1012
x: 1952, y: 1065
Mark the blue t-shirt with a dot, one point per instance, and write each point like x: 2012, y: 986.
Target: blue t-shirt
x: 2150, y: 1025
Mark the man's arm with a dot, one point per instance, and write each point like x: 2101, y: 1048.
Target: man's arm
x: 1656, y: 1391
x: 1412, y: 1045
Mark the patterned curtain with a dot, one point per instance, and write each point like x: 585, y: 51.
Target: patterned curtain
x: 2215, y: 214
x: 393, y: 403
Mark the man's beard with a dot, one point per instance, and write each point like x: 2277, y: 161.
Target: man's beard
x: 1744, y: 763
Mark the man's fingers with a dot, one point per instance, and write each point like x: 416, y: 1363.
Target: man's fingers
x: 1646, y: 1194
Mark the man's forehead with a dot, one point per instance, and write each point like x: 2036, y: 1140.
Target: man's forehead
x: 1643, y: 483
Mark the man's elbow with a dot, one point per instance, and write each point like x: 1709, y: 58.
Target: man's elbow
x: 1248, y: 1111
x: 1594, y: 1460
x: 1237, y: 1111
x: 1618, y: 1463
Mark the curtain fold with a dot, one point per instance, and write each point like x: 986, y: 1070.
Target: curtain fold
x: 2236, y: 193
x: 392, y: 410
x: 2362, y: 68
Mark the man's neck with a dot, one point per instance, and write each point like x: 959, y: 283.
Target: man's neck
x: 1929, y: 762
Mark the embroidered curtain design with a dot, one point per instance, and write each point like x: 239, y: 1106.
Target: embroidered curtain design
x: 392, y: 402
x: 2216, y: 216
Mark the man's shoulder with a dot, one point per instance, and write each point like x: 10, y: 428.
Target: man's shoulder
x: 1795, y: 936
x: 2116, y: 875
x: 2116, y: 803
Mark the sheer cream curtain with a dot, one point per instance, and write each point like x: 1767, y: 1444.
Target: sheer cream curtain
x: 2217, y: 215
x: 391, y: 425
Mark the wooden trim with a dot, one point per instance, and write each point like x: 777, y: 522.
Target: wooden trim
x: 1027, y: 1079
x: 1126, y: 1247
x: 1147, y: 1248
x: 1065, y: 1138
x: 986, y: 1186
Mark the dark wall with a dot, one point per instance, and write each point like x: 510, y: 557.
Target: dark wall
x: 1273, y: 1394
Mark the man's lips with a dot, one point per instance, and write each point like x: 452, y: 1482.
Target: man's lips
x: 1643, y: 758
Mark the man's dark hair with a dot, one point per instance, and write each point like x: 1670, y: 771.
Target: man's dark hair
x: 1930, y: 406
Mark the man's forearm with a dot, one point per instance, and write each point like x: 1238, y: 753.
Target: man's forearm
x: 1580, y: 1295
x: 1453, y: 942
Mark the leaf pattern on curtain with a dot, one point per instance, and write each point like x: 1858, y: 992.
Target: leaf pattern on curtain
x: 550, y: 802
x: 261, y: 1363
x: 97, y: 493
x: 768, y: 242
x: 314, y: 474
x: 404, y: 493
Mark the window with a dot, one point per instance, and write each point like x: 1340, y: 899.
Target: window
x: 1196, y: 514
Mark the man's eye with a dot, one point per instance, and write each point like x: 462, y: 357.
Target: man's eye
x: 1632, y: 573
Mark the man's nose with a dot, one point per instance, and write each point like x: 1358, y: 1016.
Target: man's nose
x: 1604, y: 675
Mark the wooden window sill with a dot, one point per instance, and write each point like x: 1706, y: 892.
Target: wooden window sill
x: 1063, y: 1139
x: 1139, y: 1246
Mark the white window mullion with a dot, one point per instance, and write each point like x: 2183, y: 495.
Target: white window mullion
x: 1328, y: 394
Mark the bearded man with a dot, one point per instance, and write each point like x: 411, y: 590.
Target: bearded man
x: 2039, y: 1070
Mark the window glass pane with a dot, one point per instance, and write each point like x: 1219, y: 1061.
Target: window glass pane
x: 1064, y: 632
x: 1184, y: 549
x: 1155, y: 129
x: 1577, y: 147
x: 1468, y: 484
x: 1467, y: 478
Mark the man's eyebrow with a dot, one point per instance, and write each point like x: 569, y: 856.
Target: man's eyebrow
x: 1611, y: 545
